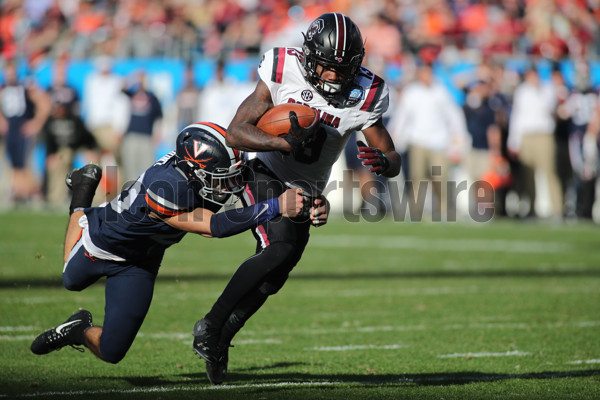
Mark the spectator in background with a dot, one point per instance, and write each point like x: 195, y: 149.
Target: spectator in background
x: 64, y: 133
x: 221, y: 96
x: 531, y: 136
x: 137, y: 146
x: 100, y: 94
x: 24, y: 109
x: 502, y: 83
x: 429, y: 121
x: 581, y: 108
x: 383, y: 42
x: 188, y: 100
x: 561, y: 138
x: 484, y: 161
x: 481, y: 125
x: 102, y: 109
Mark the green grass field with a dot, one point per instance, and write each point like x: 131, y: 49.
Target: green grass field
x: 503, y: 310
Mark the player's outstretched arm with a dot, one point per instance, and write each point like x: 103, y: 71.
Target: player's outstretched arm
x: 381, y: 157
x: 243, y: 134
x: 232, y: 222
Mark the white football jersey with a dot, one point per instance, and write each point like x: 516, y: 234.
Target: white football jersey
x: 281, y: 70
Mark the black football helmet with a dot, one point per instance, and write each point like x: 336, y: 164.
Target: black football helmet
x: 209, y: 164
x: 335, y: 42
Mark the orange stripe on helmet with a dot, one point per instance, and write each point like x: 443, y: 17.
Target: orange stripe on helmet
x: 222, y: 132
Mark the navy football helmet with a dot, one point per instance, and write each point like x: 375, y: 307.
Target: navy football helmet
x: 335, y: 42
x: 209, y: 164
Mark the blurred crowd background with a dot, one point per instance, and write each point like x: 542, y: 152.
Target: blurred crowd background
x: 504, y: 92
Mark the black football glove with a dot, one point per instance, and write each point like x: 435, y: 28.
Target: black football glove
x: 373, y: 158
x: 298, y: 136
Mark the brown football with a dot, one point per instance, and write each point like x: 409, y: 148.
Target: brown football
x: 276, y: 121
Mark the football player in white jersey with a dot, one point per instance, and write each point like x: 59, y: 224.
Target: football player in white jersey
x: 326, y: 75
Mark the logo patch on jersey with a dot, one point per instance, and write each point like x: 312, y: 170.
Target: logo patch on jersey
x: 315, y: 28
x: 306, y: 95
x: 356, y: 94
x: 354, y: 97
x: 199, y: 148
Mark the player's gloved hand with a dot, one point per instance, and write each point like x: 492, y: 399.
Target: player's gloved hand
x: 373, y: 158
x: 319, y: 211
x: 298, y: 136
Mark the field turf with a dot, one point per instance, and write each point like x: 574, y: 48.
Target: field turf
x: 503, y: 310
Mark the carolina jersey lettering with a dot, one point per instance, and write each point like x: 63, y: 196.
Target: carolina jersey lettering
x: 281, y: 70
x: 128, y: 226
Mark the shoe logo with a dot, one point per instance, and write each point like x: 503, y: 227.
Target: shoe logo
x: 265, y: 208
x: 61, y: 327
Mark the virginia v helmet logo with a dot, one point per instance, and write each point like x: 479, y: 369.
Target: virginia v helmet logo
x: 199, y: 148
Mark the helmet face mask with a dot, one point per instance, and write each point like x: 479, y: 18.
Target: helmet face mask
x: 212, y: 169
x: 222, y: 186
x: 332, y: 42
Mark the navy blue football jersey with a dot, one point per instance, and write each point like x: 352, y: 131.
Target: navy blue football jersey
x: 128, y: 226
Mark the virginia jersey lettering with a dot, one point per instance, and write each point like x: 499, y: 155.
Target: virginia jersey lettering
x: 125, y: 228
x: 281, y: 70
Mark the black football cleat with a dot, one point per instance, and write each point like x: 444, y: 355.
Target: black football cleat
x: 217, y: 371
x: 87, y: 176
x: 62, y: 335
x: 206, y: 341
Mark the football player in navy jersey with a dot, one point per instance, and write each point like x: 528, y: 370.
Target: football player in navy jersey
x: 325, y: 74
x: 126, y: 238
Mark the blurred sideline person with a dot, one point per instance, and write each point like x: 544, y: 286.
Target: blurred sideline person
x: 222, y: 95
x: 325, y: 74
x: 531, y: 136
x: 23, y: 111
x: 125, y: 240
x: 138, y: 142
x: 484, y: 161
x: 432, y: 126
x: 64, y: 134
x: 188, y: 100
x: 581, y: 108
x: 103, y: 108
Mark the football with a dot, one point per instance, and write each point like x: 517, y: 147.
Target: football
x: 276, y: 121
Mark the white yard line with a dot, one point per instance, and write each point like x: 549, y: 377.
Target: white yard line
x: 485, y: 354
x: 188, y: 338
x: 381, y: 328
x: 593, y: 361
x: 189, y: 388
x: 16, y: 338
x: 440, y: 244
x: 357, y: 347
x: 17, y: 328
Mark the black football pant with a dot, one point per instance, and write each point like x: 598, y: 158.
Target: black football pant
x: 280, y: 244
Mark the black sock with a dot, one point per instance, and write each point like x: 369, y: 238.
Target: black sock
x: 242, y: 313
